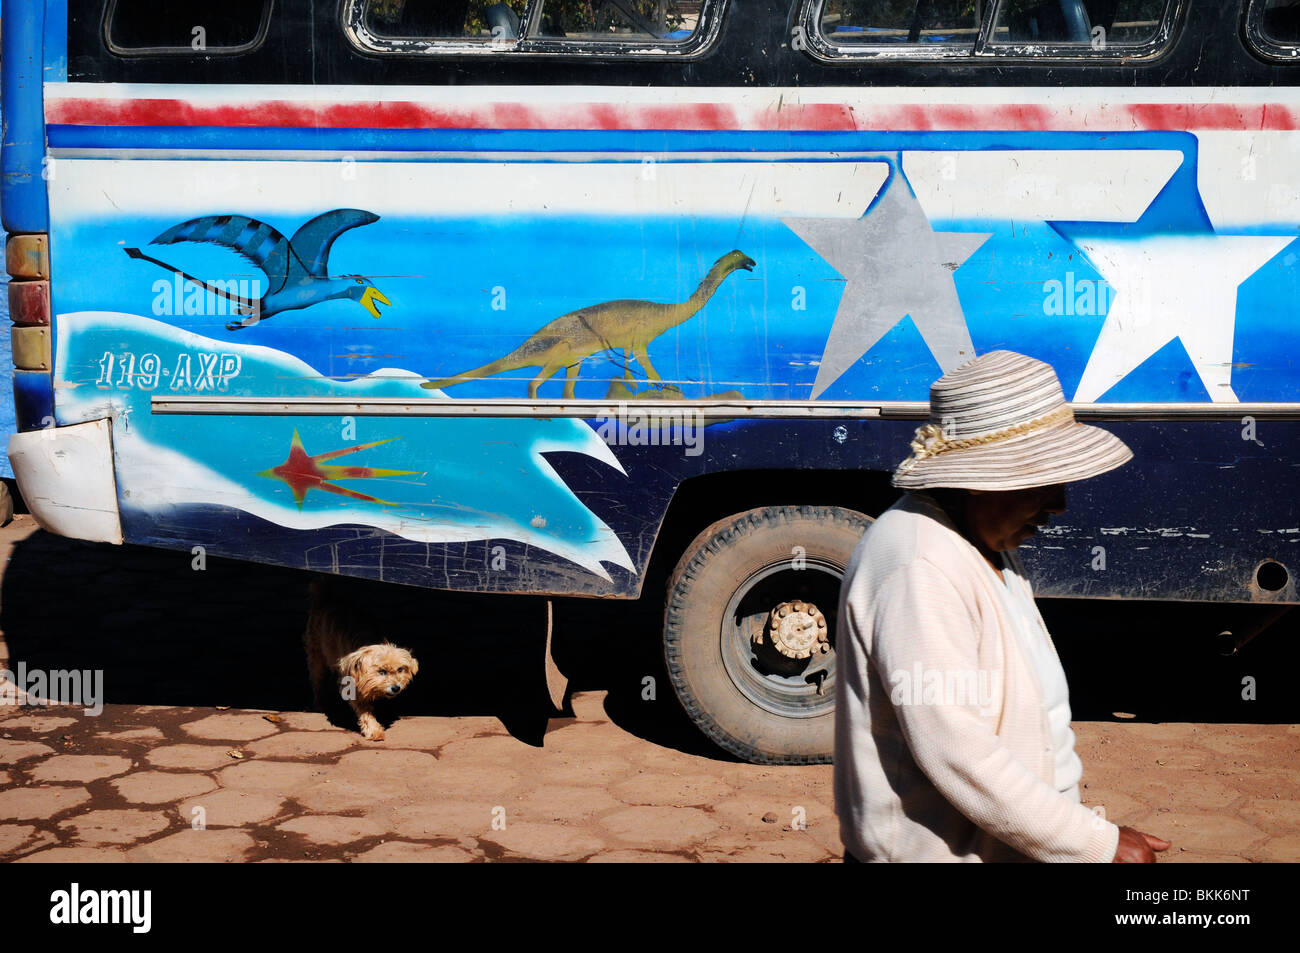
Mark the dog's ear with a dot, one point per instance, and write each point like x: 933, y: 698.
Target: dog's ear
x: 353, y: 663
x: 414, y: 666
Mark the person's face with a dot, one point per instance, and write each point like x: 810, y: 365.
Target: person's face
x: 1005, y: 519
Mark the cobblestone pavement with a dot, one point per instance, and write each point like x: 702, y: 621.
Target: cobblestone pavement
x: 203, y: 753
x: 129, y: 787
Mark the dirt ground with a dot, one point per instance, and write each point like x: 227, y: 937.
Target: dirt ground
x: 203, y: 751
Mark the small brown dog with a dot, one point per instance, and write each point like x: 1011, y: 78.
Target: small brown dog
x: 341, y: 648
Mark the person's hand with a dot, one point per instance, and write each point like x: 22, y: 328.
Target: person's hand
x: 1137, y: 848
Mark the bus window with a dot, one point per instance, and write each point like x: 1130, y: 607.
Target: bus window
x: 1065, y: 29
x: 1096, y: 24
x: 481, y: 20
x: 953, y: 24
x: 622, y: 20
x: 234, y: 26
x: 677, y: 27
x: 1279, y: 21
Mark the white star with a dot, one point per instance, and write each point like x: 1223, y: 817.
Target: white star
x: 894, y: 265
x: 1170, y: 287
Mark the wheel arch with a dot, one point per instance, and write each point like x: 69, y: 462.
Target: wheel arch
x: 699, y: 502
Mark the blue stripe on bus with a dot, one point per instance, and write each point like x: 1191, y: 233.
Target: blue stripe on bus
x: 201, y: 139
x: 56, y: 41
x: 22, y: 188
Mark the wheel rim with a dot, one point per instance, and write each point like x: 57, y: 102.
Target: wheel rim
x: 791, y: 688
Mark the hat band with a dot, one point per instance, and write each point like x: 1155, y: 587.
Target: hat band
x: 930, y: 441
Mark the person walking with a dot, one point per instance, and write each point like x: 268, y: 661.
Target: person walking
x: 952, y: 732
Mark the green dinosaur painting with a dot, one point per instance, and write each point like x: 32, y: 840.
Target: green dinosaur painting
x: 625, y: 325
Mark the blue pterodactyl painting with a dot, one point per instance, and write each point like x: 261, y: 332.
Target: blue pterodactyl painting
x: 296, y: 269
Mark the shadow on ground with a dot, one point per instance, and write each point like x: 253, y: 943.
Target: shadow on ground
x: 231, y: 634
x: 1161, y: 661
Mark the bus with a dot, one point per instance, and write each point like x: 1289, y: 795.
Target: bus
x: 642, y: 299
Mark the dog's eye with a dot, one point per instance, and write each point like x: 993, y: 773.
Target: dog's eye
x: 402, y: 670
x: 383, y: 671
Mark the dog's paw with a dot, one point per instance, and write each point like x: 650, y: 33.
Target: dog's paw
x: 375, y: 734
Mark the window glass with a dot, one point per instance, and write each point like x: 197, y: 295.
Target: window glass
x: 1280, y: 21
x: 135, y: 25
x: 445, y: 19
x: 1097, y: 24
x: 901, y: 23
x: 623, y: 21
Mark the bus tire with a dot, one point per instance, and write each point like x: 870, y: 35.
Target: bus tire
x: 724, y: 600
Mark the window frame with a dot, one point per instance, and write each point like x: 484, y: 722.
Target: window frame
x: 985, y: 51
x: 822, y: 49
x: 1259, y: 42
x: 706, y: 34
x: 263, y: 29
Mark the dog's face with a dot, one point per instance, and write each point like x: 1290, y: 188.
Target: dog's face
x: 380, y: 671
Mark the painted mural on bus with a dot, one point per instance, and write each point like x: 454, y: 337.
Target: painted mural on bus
x: 850, y: 266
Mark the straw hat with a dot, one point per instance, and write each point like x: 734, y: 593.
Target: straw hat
x: 1000, y: 422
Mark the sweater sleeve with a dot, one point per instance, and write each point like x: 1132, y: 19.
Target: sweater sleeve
x: 922, y: 624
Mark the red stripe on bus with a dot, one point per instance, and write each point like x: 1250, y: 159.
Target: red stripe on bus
x: 1218, y: 115
x: 813, y: 117
x: 390, y: 115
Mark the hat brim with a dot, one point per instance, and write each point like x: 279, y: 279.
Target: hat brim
x: 1065, y: 453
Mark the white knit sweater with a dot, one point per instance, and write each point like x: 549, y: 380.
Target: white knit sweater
x: 943, y: 750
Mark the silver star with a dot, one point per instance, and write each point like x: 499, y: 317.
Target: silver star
x: 894, y: 265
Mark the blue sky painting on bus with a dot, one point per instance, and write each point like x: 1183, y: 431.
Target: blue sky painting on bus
x: 906, y: 262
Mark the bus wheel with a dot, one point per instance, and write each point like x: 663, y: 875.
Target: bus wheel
x: 749, y: 630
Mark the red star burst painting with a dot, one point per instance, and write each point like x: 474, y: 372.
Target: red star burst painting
x: 302, y: 472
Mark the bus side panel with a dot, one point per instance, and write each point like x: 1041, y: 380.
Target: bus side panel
x: 473, y: 244
x: 485, y: 504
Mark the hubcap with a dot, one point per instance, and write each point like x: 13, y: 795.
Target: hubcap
x: 797, y: 629
x: 777, y: 644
